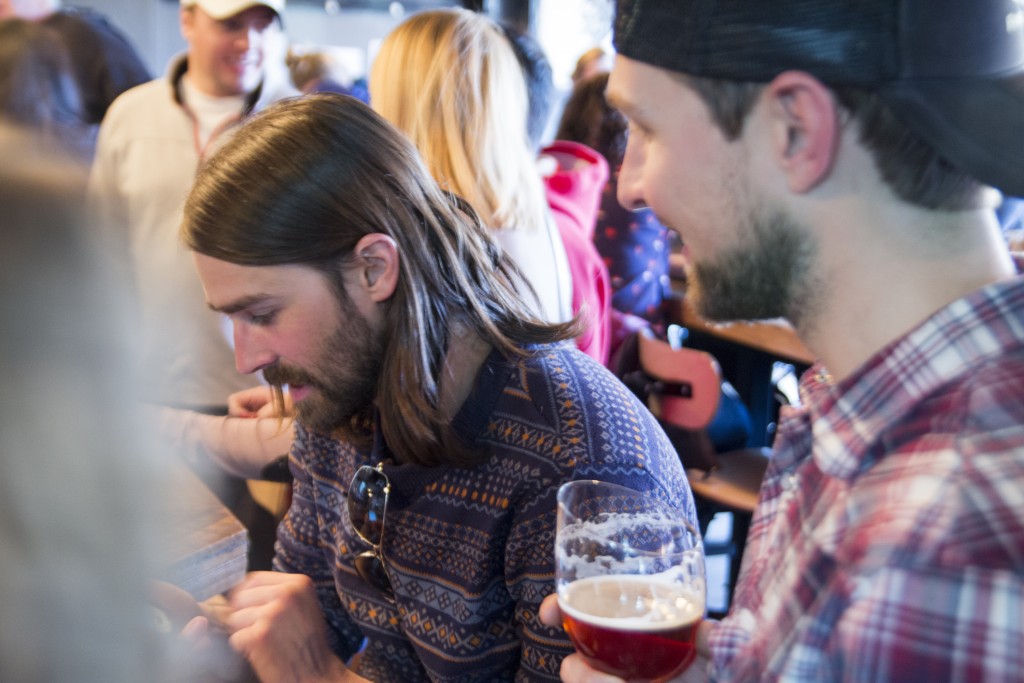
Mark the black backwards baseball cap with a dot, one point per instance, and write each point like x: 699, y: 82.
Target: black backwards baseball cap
x: 952, y: 70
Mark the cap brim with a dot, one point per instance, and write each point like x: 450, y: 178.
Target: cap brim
x: 978, y: 125
x: 237, y: 8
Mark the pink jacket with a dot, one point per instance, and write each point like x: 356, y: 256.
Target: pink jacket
x: 574, y: 195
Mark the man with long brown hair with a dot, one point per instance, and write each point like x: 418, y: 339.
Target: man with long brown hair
x: 436, y: 415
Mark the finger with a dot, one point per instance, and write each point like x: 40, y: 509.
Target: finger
x: 269, y: 410
x: 243, y: 618
x: 549, y: 612
x: 196, y: 630
x: 254, y: 596
x: 697, y: 672
x: 216, y: 610
x: 260, y: 588
x: 238, y: 407
x: 245, y: 403
x: 576, y: 670
x: 260, y: 578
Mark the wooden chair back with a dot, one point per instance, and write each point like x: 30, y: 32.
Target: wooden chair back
x: 687, y: 386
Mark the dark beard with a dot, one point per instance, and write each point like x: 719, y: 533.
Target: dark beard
x: 335, y: 408
x: 767, y: 277
x: 344, y: 379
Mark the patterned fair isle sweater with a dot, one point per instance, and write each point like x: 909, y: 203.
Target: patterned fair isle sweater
x: 470, y: 552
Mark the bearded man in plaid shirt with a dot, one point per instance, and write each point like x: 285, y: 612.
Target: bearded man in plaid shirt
x: 836, y: 163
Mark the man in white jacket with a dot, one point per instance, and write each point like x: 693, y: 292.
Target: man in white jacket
x: 151, y: 143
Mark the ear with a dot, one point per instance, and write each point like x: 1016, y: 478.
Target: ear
x: 186, y: 17
x: 376, y: 257
x: 805, y: 121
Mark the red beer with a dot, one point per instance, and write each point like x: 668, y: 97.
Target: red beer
x: 633, y: 627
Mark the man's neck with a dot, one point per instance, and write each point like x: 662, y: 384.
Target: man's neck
x: 212, y: 114
x: 196, y: 89
x: 884, y: 282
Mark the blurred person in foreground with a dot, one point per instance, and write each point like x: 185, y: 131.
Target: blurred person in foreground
x: 37, y: 89
x: 103, y: 60
x: 833, y: 162
x: 79, y: 495
x: 419, y: 373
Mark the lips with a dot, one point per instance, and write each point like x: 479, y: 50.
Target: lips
x: 299, y: 392
x: 295, y: 379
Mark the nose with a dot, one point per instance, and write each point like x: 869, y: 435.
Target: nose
x: 630, y: 193
x: 244, y: 39
x: 251, y: 355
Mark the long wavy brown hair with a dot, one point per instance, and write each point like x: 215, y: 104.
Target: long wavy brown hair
x: 303, y: 182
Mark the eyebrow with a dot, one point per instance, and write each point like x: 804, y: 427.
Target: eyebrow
x: 239, y: 304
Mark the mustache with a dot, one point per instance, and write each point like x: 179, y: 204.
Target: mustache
x: 279, y: 375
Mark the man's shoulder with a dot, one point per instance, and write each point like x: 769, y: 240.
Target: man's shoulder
x: 956, y: 463
x: 78, y: 22
x: 87, y: 31
x: 158, y: 90
x: 563, y: 360
x: 587, y: 393
x: 986, y: 397
x: 558, y: 385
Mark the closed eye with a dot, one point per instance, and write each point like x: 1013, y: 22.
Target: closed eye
x: 261, y: 319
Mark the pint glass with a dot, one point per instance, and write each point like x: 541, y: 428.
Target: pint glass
x: 630, y: 580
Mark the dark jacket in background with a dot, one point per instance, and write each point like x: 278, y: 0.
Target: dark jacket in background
x: 103, y: 60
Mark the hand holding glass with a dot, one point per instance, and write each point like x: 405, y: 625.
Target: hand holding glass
x: 630, y: 580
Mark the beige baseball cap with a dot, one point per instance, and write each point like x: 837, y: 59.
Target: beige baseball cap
x: 222, y: 9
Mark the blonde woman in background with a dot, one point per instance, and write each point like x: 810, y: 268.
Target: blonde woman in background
x: 448, y: 78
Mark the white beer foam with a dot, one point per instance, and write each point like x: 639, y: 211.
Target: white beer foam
x: 597, y: 533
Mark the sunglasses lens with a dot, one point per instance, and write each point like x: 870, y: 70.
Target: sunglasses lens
x: 371, y: 570
x: 367, y: 500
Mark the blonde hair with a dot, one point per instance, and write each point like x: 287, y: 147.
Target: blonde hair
x: 449, y: 79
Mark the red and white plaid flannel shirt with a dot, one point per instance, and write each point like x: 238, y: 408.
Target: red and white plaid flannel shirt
x: 888, y: 544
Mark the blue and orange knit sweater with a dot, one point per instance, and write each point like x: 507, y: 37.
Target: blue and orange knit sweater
x: 470, y: 552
